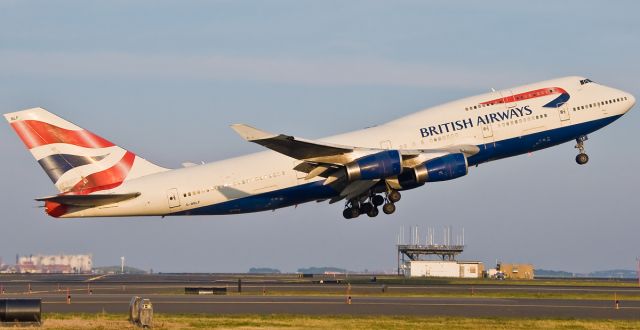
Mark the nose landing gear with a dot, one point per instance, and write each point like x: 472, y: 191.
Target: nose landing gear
x: 582, y: 158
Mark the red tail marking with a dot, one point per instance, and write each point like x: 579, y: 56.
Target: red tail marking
x: 107, y: 179
x: 54, y: 209
x: 37, y: 133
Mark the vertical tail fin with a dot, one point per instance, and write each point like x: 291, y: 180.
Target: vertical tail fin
x: 75, y: 159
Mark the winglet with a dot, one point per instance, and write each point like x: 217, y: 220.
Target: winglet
x: 251, y: 133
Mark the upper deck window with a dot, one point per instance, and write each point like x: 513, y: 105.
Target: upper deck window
x: 585, y: 81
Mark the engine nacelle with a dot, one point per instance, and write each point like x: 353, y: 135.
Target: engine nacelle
x: 438, y: 169
x: 377, y: 166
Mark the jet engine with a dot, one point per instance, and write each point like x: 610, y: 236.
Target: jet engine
x: 438, y: 169
x: 380, y: 165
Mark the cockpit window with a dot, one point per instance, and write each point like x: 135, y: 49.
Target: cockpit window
x: 585, y: 81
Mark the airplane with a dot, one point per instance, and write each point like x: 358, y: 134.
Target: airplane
x: 366, y: 168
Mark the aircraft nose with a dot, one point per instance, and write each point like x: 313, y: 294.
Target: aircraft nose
x: 630, y: 102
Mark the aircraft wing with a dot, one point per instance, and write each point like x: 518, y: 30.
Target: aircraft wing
x: 88, y: 200
x: 354, y: 190
x: 328, y: 153
x: 289, y: 145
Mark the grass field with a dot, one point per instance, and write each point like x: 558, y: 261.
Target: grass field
x: 118, y: 321
x: 486, y: 281
x: 465, y: 294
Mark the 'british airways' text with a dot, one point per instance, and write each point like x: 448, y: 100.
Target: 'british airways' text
x: 480, y: 120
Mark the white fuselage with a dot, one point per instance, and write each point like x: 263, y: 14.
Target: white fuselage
x: 267, y: 180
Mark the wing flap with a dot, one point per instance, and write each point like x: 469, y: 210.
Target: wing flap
x: 88, y: 200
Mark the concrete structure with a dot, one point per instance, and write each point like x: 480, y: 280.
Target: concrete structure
x: 516, y: 271
x: 66, y: 264
x: 444, y: 268
x: 471, y: 269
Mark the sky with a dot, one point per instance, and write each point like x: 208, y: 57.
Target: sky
x: 165, y: 79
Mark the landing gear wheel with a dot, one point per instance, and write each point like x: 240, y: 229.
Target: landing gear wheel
x: 366, y: 207
x: 373, y: 212
x: 389, y: 208
x: 350, y: 213
x: 394, y: 196
x: 582, y: 158
x: 377, y: 200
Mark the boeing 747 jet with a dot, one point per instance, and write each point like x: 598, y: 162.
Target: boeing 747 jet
x: 366, y: 169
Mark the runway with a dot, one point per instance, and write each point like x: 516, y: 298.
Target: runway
x: 291, y: 295
x: 473, y: 307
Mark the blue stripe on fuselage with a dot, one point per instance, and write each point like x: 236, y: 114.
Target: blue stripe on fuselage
x: 558, y: 101
x: 316, y: 190
x: 532, y: 142
x: 267, y: 201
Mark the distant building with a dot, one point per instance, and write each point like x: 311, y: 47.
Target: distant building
x: 64, y: 264
x: 444, y: 268
x: 515, y: 271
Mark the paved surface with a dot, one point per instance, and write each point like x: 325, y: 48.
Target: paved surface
x: 315, y: 305
x: 112, y: 294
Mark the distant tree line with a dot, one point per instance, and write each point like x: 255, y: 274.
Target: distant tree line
x: 263, y: 270
x: 321, y: 270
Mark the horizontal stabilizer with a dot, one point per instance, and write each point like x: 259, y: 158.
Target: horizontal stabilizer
x: 89, y: 200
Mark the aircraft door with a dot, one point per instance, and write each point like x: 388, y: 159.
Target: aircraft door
x: 563, y: 111
x: 173, y: 198
x: 487, y: 132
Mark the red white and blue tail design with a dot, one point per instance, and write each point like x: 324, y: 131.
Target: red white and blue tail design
x: 77, y: 161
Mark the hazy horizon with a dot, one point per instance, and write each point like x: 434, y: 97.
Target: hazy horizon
x: 165, y: 79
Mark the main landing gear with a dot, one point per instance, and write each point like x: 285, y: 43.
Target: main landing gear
x: 582, y: 158
x: 369, y: 206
